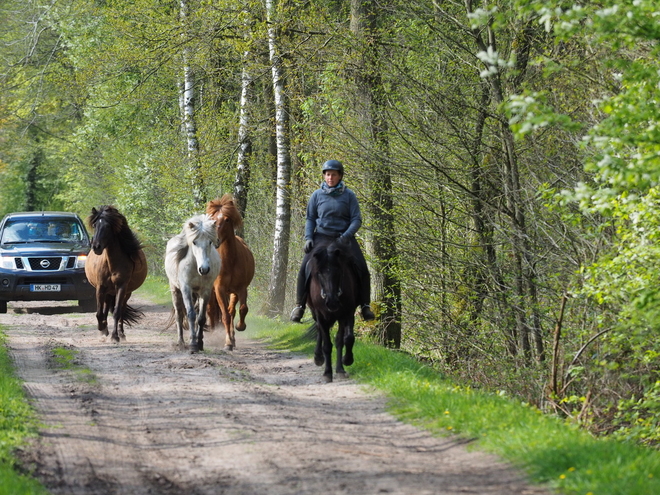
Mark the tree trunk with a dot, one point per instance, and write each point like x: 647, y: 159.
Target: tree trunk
x: 525, y: 291
x: 188, y: 106
x: 364, y: 25
x: 277, y: 286
x: 242, y: 180
x: 32, y: 180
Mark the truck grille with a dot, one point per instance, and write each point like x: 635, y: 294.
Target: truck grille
x: 45, y: 264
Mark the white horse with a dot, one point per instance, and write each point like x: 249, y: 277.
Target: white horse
x: 192, y: 264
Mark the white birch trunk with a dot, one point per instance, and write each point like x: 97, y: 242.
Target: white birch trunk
x: 241, y: 183
x: 189, y: 126
x: 277, y: 286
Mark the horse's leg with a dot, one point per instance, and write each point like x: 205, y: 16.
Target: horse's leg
x: 318, y: 350
x: 122, y: 335
x: 349, y: 340
x: 202, y: 303
x: 101, y: 311
x: 179, y: 311
x: 189, y: 303
x: 242, y: 309
x: 231, y: 308
x: 223, y: 302
x: 324, y: 330
x: 339, y: 344
x: 345, y: 338
x: 118, y: 313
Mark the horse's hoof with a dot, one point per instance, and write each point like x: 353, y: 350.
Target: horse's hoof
x: 342, y: 375
x: 327, y: 378
x: 104, y: 331
x: 193, y: 348
x: 347, y: 360
x: 229, y: 348
x: 181, y: 346
x: 115, y: 338
x: 240, y: 327
x: 319, y: 361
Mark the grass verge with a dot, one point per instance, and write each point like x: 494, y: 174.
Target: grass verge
x: 17, y: 424
x: 552, y: 452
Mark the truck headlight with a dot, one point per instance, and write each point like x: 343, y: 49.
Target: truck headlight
x: 8, y: 262
x: 81, y: 260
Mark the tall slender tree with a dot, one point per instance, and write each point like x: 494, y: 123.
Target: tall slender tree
x: 280, y: 260
x: 188, y: 104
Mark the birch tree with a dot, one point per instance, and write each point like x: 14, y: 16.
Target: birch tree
x: 242, y: 181
x: 187, y: 102
x: 280, y: 260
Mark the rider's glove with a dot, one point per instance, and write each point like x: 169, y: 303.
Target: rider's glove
x: 309, y: 245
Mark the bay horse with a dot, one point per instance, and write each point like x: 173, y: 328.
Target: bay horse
x: 236, y: 273
x: 116, y: 266
x: 192, y: 264
x: 332, y: 296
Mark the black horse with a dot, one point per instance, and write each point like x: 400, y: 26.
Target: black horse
x: 332, y: 297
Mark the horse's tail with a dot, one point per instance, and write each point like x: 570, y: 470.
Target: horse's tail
x: 212, y: 312
x: 312, y: 332
x: 171, y: 319
x: 131, y: 315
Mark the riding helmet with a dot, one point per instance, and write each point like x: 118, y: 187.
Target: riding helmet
x: 333, y: 165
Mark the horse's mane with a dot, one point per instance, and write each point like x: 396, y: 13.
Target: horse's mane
x: 320, y: 253
x: 200, y: 226
x: 125, y: 236
x: 227, y: 208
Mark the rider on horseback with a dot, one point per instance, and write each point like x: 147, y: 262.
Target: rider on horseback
x: 333, y: 213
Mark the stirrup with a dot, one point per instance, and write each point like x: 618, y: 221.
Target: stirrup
x: 367, y: 314
x: 297, y: 313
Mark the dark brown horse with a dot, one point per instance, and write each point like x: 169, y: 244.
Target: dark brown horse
x: 116, y: 266
x: 236, y: 271
x: 333, y: 291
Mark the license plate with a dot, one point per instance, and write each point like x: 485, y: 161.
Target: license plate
x: 45, y: 287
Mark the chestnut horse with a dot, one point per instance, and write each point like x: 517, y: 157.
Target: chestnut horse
x: 236, y: 271
x: 116, y: 266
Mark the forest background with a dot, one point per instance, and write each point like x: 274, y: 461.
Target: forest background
x: 506, y: 156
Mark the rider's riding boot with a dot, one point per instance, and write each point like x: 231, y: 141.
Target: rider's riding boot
x: 297, y: 313
x: 367, y: 314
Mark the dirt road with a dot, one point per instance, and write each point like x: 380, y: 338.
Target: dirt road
x: 253, y: 421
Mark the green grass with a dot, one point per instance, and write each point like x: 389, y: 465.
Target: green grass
x: 17, y: 424
x: 65, y: 359
x: 156, y: 289
x: 553, y: 453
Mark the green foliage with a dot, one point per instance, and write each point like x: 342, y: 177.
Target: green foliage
x: 17, y: 425
x: 621, y: 159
